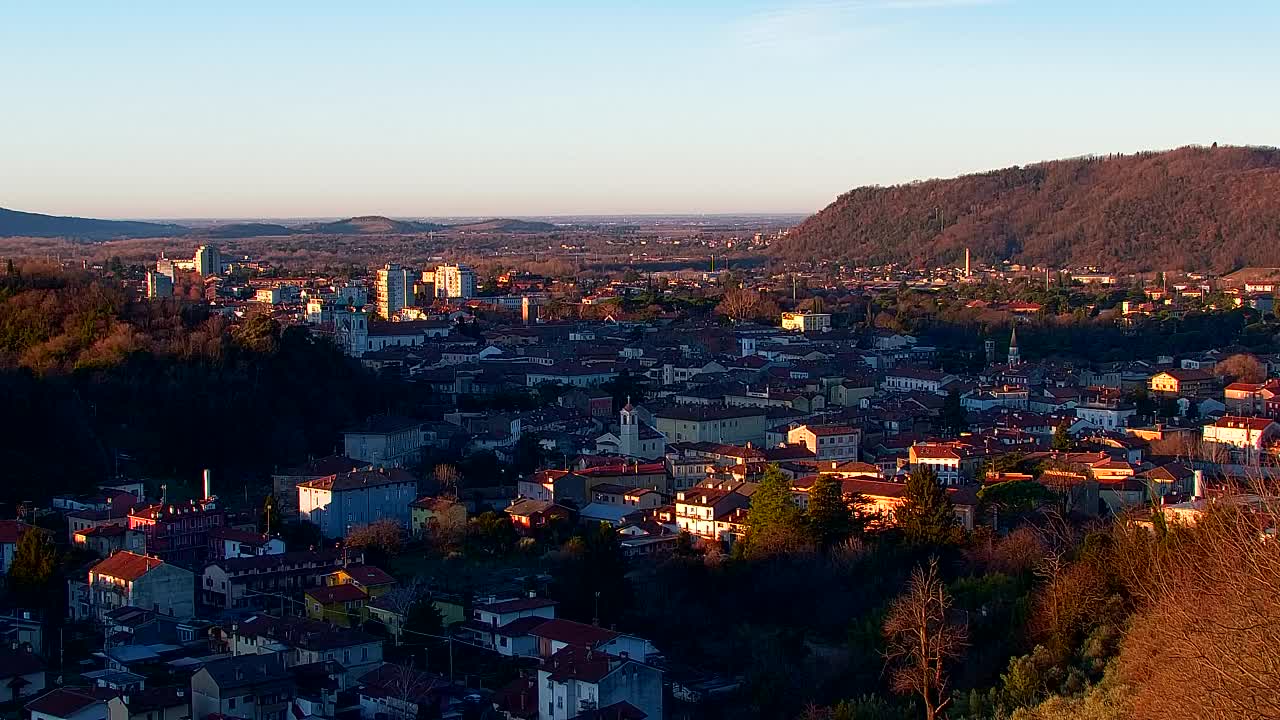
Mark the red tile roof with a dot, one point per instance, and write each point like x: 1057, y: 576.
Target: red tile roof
x: 573, y: 633
x: 67, y: 701
x: 127, y: 566
x: 11, y: 531
x: 336, y: 594
x: 369, y: 575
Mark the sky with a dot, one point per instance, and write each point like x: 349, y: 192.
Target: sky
x: 284, y: 108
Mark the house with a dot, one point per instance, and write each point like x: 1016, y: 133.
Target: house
x: 22, y: 675
x: 139, y: 581
x: 398, y: 692
x: 578, y: 682
x: 884, y: 498
x: 374, y: 581
x: 340, y: 502
x: 341, y: 605
x: 1106, y: 414
x: 806, y: 322
x: 253, y: 687
x: 504, y: 626
x: 1245, y: 438
x: 1178, y: 382
x: 250, y: 582
x: 429, y: 515
x: 226, y: 542
x: 163, y: 703
x: 712, y: 514
x: 71, y: 703
x: 532, y: 514
x: 915, y: 380
x: 634, y: 438
x: 108, y: 539
x: 302, y: 641
x: 385, y: 440
x: 1243, y: 398
x: 827, y: 442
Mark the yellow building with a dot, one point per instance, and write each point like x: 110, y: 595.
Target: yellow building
x: 342, y: 605
x: 430, y: 514
x: 372, y: 581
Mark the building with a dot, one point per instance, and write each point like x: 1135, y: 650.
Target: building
x: 138, y: 581
x: 258, y: 581
x: 165, y: 703
x: 431, y: 515
x: 227, y: 542
x: 708, y: 423
x: 945, y: 461
x: 577, y: 682
x: 253, y: 687
x: 806, y: 322
x: 1178, y: 382
x: 284, y: 484
x: 634, y: 439
x: 712, y: 514
x: 388, y: 440
x: 827, y: 442
x: 1106, y: 415
x: 455, y: 281
x: 1244, y: 438
x: 11, y: 532
x: 302, y: 641
x: 351, y: 330
x: 341, y: 605
x: 22, y: 675
x: 164, y: 266
x: 208, y: 261
x: 159, y: 285
x: 915, y: 380
x: 177, y: 532
x: 340, y: 502
x: 71, y: 703
x: 394, y: 290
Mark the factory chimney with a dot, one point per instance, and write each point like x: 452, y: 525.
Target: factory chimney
x: 208, y: 484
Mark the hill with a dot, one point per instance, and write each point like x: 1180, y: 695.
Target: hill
x: 23, y: 224
x: 243, y: 230
x: 505, y: 225
x: 1193, y: 208
x: 372, y: 225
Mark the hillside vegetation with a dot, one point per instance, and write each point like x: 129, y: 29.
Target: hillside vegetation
x: 1193, y: 208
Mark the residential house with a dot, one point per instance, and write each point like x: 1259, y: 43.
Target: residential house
x: 718, y: 424
x: 904, y: 379
x: 253, y: 687
x: 827, y: 442
x: 711, y: 514
x: 261, y: 581
x: 71, y: 703
x: 177, y: 532
x: 285, y: 484
x: 303, y: 641
x: 578, y: 682
x: 162, y: 703
x: 11, y: 532
x: 338, y: 503
x: 1178, y: 382
x: 530, y: 515
x: 1245, y: 438
x: 227, y: 542
x: 139, y: 581
x: 341, y: 605
x: 385, y: 440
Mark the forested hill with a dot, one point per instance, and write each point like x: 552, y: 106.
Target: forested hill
x: 1193, y: 208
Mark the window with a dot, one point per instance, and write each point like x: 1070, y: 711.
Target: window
x: 231, y: 704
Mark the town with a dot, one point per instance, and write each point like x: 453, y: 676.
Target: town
x: 505, y: 538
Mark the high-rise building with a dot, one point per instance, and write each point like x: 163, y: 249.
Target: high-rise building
x: 164, y: 266
x: 208, y: 260
x: 394, y: 290
x: 455, y: 281
x: 159, y: 285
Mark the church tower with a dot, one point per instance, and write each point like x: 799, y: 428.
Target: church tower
x: 628, y: 431
x: 1014, y: 358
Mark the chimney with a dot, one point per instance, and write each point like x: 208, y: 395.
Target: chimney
x: 208, y: 484
x: 1197, y: 492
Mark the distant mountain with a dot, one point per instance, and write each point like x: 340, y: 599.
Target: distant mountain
x: 372, y: 225
x: 243, y: 230
x: 1193, y: 208
x: 504, y: 225
x: 23, y: 224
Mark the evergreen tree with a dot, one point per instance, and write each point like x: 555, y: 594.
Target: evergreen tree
x: 927, y: 516
x: 34, y: 561
x: 774, y: 522
x: 952, y: 416
x: 1062, y: 439
x: 271, y: 522
x: 830, y: 518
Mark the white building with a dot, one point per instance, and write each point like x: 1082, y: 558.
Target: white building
x: 1107, y: 416
x: 455, y: 281
x: 208, y: 261
x: 384, y: 440
x: 394, y: 290
x: 164, y: 266
x: 576, y: 681
x: 913, y: 380
x: 635, y: 438
x: 1245, y: 437
x: 338, y: 503
x: 806, y: 322
x: 351, y: 330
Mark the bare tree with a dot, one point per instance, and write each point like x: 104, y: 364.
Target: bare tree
x: 447, y: 476
x: 922, y: 638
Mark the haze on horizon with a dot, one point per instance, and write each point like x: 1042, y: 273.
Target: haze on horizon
x: 326, y: 109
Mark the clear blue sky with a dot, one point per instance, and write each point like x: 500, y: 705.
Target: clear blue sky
x: 285, y: 109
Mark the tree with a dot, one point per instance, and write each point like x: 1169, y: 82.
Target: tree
x: 423, y: 617
x: 774, y: 522
x: 922, y: 639
x: 740, y: 304
x: 1241, y: 367
x: 379, y: 540
x: 1062, y: 439
x: 34, y: 561
x: 491, y: 534
x: 271, y: 522
x: 927, y: 516
x: 952, y: 416
x: 830, y: 518
x: 447, y: 478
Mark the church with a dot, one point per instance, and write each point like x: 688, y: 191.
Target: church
x: 634, y: 438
